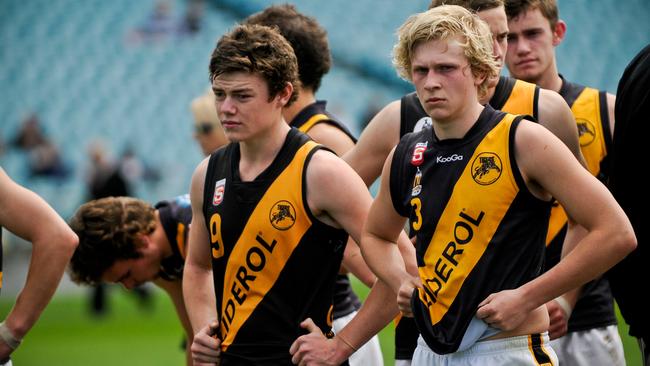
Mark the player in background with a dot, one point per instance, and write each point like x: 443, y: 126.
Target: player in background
x: 534, y: 31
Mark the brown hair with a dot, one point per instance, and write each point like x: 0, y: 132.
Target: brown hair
x: 108, y: 230
x: 548, y: 8
x: 473, y: 5
x: 306, y: 36
x: 258, y: 49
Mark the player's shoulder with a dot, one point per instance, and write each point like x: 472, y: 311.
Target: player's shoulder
x: 551, y: 99
x: 529, y: 133
x: 324, y: 167
x: 324, y: 158
x: 390, y: 114
x: 383, y: 129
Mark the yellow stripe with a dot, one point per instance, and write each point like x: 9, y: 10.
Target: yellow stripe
x: 287, y: 186
x: 180, y: 238
x: 397, y: 319
x: 316, y: 118
x: 492, y: 199
x: 521, y: 99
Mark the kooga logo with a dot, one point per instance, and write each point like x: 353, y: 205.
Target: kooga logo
x: 448, y: 159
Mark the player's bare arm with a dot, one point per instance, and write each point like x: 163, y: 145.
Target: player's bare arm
x: 332, y: 137
x: 378, y: 244
x: 339, y: 142
x: 198, y: 286
x: 28, y: 216
x: 338, y: 197
x: 377, y: 139
x: 556, y: 116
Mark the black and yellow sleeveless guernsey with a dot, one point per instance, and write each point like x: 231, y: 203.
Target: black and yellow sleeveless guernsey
x: 595, y: 307
x: 511, y: 96
x: 478, y: 229
x: 345, y: 300
x: 274, y: 264
x: 316, y: 113
x: 175, y: 218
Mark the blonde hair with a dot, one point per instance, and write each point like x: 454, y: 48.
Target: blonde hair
x: 443, y: 23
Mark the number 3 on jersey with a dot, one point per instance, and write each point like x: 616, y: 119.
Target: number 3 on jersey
x: 417, y: 206
x: 216, y: 242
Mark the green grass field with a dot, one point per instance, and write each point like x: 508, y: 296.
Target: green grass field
x: 67, y: 335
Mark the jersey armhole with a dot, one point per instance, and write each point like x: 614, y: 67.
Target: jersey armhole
x: 536, y: 104
x: 516, y: 173
x: 310, y: 154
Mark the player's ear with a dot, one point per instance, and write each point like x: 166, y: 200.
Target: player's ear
x: 285, y: 94
x: 559, y: 31
x: 143, y: 241
x: 479, y: 77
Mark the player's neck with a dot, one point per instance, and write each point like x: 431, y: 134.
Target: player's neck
x: 549, y: 80
x: 258, y: 152
x: 305, y: 98
x: 457, y: 126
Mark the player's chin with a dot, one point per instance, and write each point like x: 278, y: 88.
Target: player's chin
x: 234, y: 136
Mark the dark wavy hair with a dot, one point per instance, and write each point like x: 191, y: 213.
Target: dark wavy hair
x: 306, y: 36
x: 548, y: 8
x: 108, y: 230
x: 474, y: 5
x: 257, y: 49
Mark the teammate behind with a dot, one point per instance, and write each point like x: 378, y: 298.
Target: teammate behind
x: 208, y: 131
x: 309, y: 115
x: 407, y: 115
x: 534, y: 31
x: 480, y: 221
x: 271, y: 214
x: 126, y: 240
x: 480, y: 217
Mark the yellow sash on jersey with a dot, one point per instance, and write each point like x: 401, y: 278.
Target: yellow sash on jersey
x: 469, y: 199
x: 287, y: 187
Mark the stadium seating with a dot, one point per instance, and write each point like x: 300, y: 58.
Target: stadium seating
x: 76, y: 65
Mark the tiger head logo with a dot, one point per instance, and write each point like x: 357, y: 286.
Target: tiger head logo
x: 282, y: 215
x: 486, y: 168
x: 586, y: 132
